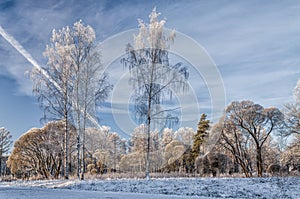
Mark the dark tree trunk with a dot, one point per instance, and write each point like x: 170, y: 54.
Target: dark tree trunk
x: 148, y: 144
x: 259, y: 163
x: 66, y: 147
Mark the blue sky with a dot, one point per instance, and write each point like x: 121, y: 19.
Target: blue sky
x: 254, y: 44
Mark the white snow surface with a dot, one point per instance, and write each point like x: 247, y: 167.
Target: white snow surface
x: 275, y: 187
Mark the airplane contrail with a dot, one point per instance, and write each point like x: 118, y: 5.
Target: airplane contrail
x: 25, y: 54
x: 10, y: 39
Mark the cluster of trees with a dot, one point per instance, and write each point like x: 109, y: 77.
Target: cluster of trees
x: 253, y: 151
x: 40, y: 152
x: 71, y: 86
x: 246, y: 126
x: 245, y: 140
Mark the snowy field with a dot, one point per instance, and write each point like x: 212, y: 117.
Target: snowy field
x: 156, y: 188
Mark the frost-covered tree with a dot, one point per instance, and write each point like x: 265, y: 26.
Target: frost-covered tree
x: 90, y: 86
x: 71, y: 85
x: 291, y: 154
x: 98, y: 146
x: 200, y: 136
x: 167, y: 137
x: 249, y: 124
x: 104, y: 149
x: 54, y: 88
x: 139, y: 139
x: 290, y: 157
x: 271, y: 152
x: 237, y: 143
x: 292, y: 113
x: 197, y: 141
x: 152, y: 76
x: 172, y: 156
x: 5, y: 144
x: 97, y: 138
x: 115, y: 140
x: 297, y: 91
x: 185, y: 135
x: 40, y: 151
x: 5, y: 141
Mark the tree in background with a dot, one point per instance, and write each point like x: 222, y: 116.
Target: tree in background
x: 115, y: 140
x: 199, y: 138
x: 5, y: 144
x: 173, y: 156
x: 291, y: 155
x: 104, y: 150
x: 292, y: 113
x: 237, y: 143
x: 39, y: 152
x: 167, y: 136
x: 152, y: 76
x: 186, y: 135
x: 252, y: 122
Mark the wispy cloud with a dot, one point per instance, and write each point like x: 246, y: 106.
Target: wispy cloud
x: 254, y: 45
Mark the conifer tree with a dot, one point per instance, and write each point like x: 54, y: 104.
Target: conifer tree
x: 199, y: 137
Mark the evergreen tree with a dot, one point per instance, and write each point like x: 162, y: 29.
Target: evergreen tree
x: 199, y: 137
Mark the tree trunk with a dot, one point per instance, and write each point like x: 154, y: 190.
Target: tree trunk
x: 1, y: 164
x: 148, y: 147
x: 244, y: 167
x: 66, y: 147
x: 115, y: 151
x: 259, y: 162
x: 148, y: 130
x: 78, y: 152
x: 83, y: 155
x: 83, y: 166
x: 58, y: 169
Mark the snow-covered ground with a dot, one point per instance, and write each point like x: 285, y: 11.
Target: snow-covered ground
x: 156, y: 188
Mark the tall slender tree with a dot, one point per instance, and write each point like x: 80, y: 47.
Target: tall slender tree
x: 53, y: 85
x: 71, y: 84
x: 292, y: 113
x: 152, y: 76
x: 90, y: 86
x: 5, y: 144
x: 95, y: 88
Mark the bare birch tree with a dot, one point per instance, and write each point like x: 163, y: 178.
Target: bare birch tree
x: 90, y: 86
x: 53, y: 90
x: 73, y: 84
x: 291, y: 155
x: 152, y: 74
x: 292, y: 113
x: 5, y: 144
